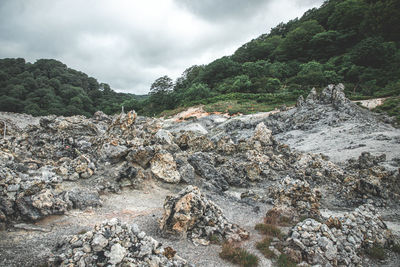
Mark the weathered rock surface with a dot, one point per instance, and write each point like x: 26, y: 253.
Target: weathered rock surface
x: 294, y: 199
x: 113, y: 243
x: 190, y: 214
x: 50, y: 165
x: 340, y: 243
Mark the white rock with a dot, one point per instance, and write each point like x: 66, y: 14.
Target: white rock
x: 116, y: 254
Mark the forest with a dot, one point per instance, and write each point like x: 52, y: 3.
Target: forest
x: 356, y: 42
x: 50, y: 87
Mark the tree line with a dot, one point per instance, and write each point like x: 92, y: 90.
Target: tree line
x: 355, y: 42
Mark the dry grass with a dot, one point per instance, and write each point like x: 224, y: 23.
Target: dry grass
x: 238, y: 255
x: 268, y: 229
x: 284, y: 261
x: 263, y: 247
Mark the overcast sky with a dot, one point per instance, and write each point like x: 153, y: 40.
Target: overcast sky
x: 130, y: 43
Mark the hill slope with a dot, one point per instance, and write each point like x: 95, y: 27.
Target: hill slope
x: 50, y: 87
x: 355, y: 42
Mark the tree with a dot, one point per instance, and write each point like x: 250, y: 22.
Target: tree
x: 161, y: 85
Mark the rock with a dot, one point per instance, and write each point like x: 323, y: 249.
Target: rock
x: 300, y: 102
x: 262, y: 134
x: 99, y: 242
x: 116, y: 254
x: 190, y: 214
x: 351, y: 236
x: 163, y: 136
x: 117, y: 244
x: 141, y: 155
x: 163, y: 166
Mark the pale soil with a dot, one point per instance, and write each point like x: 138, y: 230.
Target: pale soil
x: 143, y: 207
x: 371, y: 103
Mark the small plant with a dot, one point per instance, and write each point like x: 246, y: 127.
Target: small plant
x: 376, y: 252
x: 263, y: 247
x: 268, y: 229
x: 215, y: 239
x: 238, y: 255
x: 396, y: 248
x: 284, y: 261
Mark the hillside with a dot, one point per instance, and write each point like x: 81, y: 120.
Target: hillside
x: 355, y: 42
x: 50, y: 87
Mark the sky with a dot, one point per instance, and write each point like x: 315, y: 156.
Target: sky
x: 130, y: 43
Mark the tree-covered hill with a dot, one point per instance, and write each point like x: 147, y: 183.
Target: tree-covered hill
x: 356, y: 42
x: 50, y: 87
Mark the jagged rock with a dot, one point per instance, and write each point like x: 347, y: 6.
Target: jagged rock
x: 262, y: 134
x: 164, y: 137
x: 113, y: 243
x: 340, y: 245
x: 141, y: 155
x: 294, y: 199
x: 190, y: 214
x: 163, y: 166
x: 300, y: 101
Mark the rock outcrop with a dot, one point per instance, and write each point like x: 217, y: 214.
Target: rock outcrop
x: 190, y: 214
x: 113, y: 243
x: 339, y: 241
x: 294, y: 199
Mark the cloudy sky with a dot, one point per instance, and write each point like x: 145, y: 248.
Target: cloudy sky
x: 130, y: 43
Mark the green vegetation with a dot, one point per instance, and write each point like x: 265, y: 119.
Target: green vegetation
x: 238, y: 255
x: 268, y: 229
x: 376, y: 252
x: 391, y: 106
x: 50, y: 87
x: 285, y: 261
x: 356, y: 42
x: 263, y: 247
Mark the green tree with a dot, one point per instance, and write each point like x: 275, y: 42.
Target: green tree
x: 161, y: 85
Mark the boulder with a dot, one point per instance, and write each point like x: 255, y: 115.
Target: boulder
x: 163, y: 166
x: 190, y: 214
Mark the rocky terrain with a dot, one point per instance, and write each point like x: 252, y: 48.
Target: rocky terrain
x: 126, y: 190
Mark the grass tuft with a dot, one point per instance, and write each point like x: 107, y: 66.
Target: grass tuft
x: 263, y: 247
x: 284, y: 261
x: 238, y: 255
x: 268, y: 229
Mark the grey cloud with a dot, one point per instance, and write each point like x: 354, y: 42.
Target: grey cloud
x: 128, y: 44
x: 221, y: 9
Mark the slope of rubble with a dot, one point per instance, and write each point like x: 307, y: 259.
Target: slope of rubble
x: 64, y: 175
